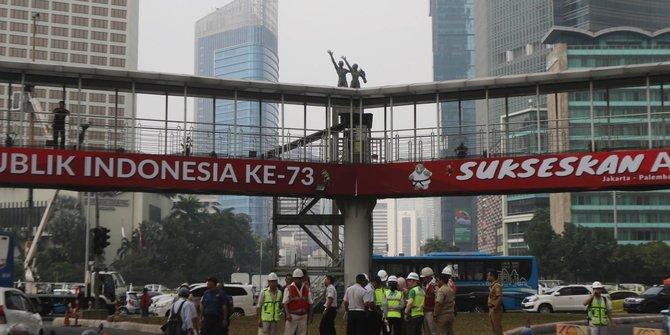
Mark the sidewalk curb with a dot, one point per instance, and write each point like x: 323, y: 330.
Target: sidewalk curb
x: 550, y: 327
x: 129, y: 326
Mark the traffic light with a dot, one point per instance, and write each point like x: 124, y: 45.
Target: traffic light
x: 100, y: 239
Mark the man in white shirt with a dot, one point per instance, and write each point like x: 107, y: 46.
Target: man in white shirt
x: 297, y: 303
x: 188, y: 314
x: 354, y: 305
x: 327, y: 325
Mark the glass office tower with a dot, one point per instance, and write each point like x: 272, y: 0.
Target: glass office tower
x: 453, y: 58
x: 622, y: 123
x: 239, y: 41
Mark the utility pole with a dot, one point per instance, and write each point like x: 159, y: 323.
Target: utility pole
x: 96, y: 285
x: 615, y: 214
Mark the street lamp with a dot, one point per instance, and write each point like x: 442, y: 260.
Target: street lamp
x: 35, y: 17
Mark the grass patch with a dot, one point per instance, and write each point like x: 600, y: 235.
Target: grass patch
x: 466, y: 323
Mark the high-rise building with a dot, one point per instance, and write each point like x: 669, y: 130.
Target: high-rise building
x: 407, y: 233
x: 383, y: 217
x: 509, y: 35
x: 98, y: 33
x: 239, y: 41
x: 509, y: 41
x: 595, y: 15
x: 638, y: 216
x: 453, y: 58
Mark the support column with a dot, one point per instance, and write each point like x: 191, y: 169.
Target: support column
x: 357, y: 214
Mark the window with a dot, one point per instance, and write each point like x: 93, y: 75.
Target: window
x: 41, y: 4
x: 81, y: 9
x: 121, y: 101
x: 97, y: 60
x: 59, y: 44
x: 13, y: 301
x: 39, y: 54
x: 22, y: 3
x: 99, y: 11
x: 99, y: 48
x: 78, y: 58
x: 579, y: 290
x: 41, y: 42
x: 97, y: 97
x: 119, y: 2
x: 119, y: 13
x: 59, y: 31
x: 3, y: 12
x: 42, y: 30
x: 120, y: 38
x: 97, y: 110
x: 116, y: 25
x: 17, y: 26
x: 79, y: 46
x: 19, y: 14
x: 117, y: 50
x: 566, y: 291
x: 21, y: 53
x: 61, y: 19
x: 97, y: 23
x: 20, y: 40
x: 60, y: 6
x: 234, y: 291
x: 154, y: 213
x: 100, y: 1
x: 79, y: 33
x: 80, y: 21
x: 99, y: 35
x: 117, y: 62
x: 58, y: 56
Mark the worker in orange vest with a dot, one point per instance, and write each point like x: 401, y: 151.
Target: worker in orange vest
x: 297, y: 303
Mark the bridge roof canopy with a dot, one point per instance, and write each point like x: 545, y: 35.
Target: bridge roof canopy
x: 147, y: 82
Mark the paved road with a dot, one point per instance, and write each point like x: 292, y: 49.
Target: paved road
x: 628, y: 329
x: 78, y: 330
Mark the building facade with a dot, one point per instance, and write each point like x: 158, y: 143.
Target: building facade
x: 595, y: 15
x: 95, y: 33
x: 620, y: 123
x: 239, y: 41
x: 453, y: 58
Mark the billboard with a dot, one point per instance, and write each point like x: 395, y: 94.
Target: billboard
x: 91, y: 170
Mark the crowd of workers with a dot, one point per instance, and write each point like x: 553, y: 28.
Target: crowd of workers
x: 420, y: 304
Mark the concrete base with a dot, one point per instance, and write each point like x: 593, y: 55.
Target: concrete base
x: 357, y: 252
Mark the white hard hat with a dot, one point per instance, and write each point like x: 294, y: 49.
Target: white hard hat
x: 297, y: 273
x: 448, y: 270
x: 272, y: 277
x: 393, y: 279
x: 597, y: 284
x: 413, y: 276
x: 426, y: 272
x: 382, y: 275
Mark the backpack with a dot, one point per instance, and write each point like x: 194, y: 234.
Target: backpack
x: 173, y: 325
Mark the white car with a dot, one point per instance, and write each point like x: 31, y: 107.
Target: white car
x: 569, y: 298
x: 17, y: 309
x: 155, y: 288
x: 160, y: 304
x: 243, y: 297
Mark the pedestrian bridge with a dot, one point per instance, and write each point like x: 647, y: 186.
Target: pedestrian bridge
x: 544, y: 132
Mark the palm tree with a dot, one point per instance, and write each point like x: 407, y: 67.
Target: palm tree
x: 188, y: 208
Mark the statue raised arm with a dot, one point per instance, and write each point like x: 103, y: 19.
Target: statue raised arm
x: 355, y: 74
x: 341, y: 71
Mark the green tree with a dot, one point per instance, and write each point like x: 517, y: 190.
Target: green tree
x: 543, y: 243
x: 189, y: 245
x: 438, y: 245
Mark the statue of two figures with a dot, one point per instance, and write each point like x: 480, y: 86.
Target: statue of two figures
x: 356, y: 72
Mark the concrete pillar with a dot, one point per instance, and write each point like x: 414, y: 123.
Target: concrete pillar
x: 357, y: 213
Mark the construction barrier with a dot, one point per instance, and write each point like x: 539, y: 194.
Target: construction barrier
x: 647, y: 331
x: 564, y: 329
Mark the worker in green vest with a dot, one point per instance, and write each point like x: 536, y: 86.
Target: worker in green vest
x: 414, y: 310
x: 376, y: 315
x: 599, y: 310
x: 269, y: 307
x: 395, y: 301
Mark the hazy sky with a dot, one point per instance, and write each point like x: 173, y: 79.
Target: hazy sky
x: 390, y: 39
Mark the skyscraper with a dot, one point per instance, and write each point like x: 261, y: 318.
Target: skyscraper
x: 239, y: 41
x: 453, y: 58
x: 637, y: 217
x: 100, y: 34
x: 509, y: 41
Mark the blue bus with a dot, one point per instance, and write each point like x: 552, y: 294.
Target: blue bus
x: 6, y: 259
x: 518, y: 275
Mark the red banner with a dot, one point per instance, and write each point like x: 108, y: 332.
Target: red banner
x: 89, y: 170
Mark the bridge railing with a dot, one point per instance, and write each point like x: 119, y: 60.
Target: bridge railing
x: 528, y: 137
